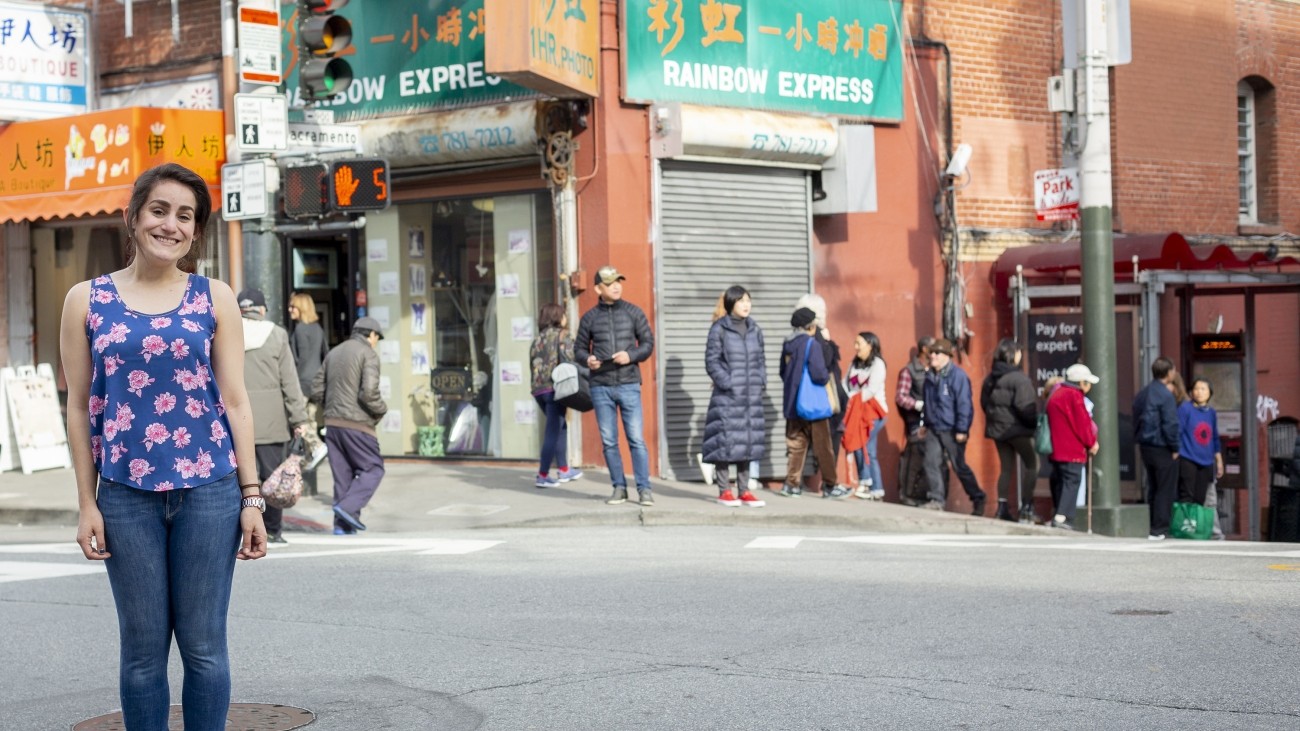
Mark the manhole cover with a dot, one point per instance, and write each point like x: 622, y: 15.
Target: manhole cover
x: 242, y: 717
x: 1141, y: 612
x: 468, y: 511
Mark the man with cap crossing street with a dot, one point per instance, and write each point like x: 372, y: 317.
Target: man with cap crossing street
x: 613, y: 339
x: 274, y: 392
x: 347, y: 387
x: 948, y: 413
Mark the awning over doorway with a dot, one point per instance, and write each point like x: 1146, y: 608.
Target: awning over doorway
x: 1153, y: 251
x: 86, y: 164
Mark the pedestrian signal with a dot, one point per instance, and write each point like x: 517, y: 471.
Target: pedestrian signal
x: 323, y: 37
x: 359, y: 184
x: 304, y: 191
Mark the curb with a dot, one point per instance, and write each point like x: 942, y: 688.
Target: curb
x: 39, y: 516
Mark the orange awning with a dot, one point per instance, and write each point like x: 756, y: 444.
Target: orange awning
x: 86, y: 164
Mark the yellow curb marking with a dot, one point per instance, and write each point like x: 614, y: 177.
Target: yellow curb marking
x: 1285, y: 567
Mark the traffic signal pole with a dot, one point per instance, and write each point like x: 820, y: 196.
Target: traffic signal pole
x: 1108, y: 516
x: 230, y: 85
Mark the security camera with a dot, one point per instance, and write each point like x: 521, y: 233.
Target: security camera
x: 960, y: 158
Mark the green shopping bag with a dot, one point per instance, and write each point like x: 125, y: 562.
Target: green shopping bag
x: 1192, y: 521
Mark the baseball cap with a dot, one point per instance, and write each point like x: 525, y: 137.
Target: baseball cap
x: 1078, y: 373
x: 608, y: 275
x: 250, y: 298
x: 369, y: 323
x: 942, y: 345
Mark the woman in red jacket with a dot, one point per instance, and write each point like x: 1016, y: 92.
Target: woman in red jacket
x: 1073, y: 440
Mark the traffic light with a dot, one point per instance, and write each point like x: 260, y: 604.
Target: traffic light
x: 322, y: 38
x: 304, y: 191
x: 359, y: 184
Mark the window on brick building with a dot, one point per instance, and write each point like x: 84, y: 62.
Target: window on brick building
x: 1247, y: 161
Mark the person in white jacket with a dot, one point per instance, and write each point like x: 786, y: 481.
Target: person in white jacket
x: 865, y: 379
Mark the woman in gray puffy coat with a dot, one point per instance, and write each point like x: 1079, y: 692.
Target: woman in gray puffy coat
x: 734, y: 426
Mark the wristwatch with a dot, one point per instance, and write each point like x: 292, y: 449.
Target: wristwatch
x: 255, y: 501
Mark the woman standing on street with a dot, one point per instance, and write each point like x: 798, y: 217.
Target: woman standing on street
x: 551, y: 347
x: 161, y: 434
x: 866, y: 380
x: 734, y: 426
x: 307, y: 341
x: 1010, y: 415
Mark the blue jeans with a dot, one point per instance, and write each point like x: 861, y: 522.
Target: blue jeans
x: 871, y: 470
x: 555, y: 440
x: 609, y: 401
x: 171, y: 564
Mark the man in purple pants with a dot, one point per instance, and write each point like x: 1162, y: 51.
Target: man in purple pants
x: 347, y: 386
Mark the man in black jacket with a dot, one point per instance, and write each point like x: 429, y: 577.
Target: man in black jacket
x: 613, y: 339
x: 1155, y: 428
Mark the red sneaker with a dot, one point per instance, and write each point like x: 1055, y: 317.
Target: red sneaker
x: 728, y: 498
x: 748, y: 498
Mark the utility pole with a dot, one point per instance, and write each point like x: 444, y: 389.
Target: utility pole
x: 1098, y: 264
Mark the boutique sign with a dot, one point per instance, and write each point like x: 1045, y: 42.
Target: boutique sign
x: 840, y: 57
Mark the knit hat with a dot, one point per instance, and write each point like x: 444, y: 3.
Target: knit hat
x: 802, y: 318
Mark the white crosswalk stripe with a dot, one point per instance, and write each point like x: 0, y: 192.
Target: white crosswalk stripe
x: 1178, y: 548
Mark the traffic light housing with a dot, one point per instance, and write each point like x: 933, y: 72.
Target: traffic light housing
x: 322, y: 39
x: 358, y: 184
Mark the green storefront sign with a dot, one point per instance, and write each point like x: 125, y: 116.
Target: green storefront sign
x: 838, y: 57
x: 410, y: 56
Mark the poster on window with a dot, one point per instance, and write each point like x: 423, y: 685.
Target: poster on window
x: 512, y: 373
x: 419, y: 318
x: 508, y: 286
x: 521, y: 241
x: 525, y: 412
x: 390, y: 351
x: 389, y: 284
x: 521, y: 328
x: 415, y: 242
x: 377, y: 250
x: 419, y: 358
x: 416, y: 284
x: 392, y: 422
x: 385, y: 388
x: 382, y: 315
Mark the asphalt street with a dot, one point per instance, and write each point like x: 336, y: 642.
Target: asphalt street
x: 709, y: 628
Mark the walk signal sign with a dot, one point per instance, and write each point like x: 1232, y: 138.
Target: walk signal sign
x: 359, y: 184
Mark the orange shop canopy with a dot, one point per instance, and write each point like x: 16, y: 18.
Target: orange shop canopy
x: 86, y: 164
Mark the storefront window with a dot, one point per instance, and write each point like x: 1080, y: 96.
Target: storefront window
x: 457, y: 284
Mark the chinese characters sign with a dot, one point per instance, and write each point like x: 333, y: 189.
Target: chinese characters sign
x: 414, y: 56
x: 87, y: 164
x: 549, y: 45
x: 841, y: 57
x: 43, y: 57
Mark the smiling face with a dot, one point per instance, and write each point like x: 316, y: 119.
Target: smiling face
x: 294, y: 312
x: 611, y: 292
x: 862, y: 348
x: 163, y: 230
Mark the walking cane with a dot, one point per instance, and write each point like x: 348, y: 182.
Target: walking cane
x: 1087, y: 488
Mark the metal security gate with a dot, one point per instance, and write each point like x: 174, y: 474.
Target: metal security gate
x: 721, y: 225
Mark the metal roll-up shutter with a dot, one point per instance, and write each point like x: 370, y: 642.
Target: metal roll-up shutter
x: 722, y: 225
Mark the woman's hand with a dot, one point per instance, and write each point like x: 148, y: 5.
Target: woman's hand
x: 254, y: 543
x: 90, y: 534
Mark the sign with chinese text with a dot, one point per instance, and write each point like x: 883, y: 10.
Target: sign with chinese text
x: 1056, y: 194
x: 260, y: 58
x: 549, y: 45
x: 414, y: 56
x: 43, y: 61
x: 86, y: 164
x: 840, y: 57
x: 1218, y: 345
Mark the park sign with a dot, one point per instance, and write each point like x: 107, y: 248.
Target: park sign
x: 409, y: 56
x: 836, y: 57
x: 546, y: 45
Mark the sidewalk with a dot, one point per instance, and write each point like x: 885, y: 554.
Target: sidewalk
x: 423, y: 496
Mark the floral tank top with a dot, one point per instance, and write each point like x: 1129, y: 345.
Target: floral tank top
x: 157, y: 421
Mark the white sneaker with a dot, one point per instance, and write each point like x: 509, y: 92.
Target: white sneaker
x: 317, y: 455
x: 753, y: 484
x: 1156, y: 537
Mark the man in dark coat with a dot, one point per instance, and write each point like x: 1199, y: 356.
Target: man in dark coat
x: 1010, y: 416
x: 613, y: 339
x: 949, y: 410
x: 734, y: 426
x: 800, y: 348
x: 1156, y: 430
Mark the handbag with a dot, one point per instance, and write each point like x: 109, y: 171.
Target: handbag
x: 283, y: 488
x: 1043, y: 435
x: 833, y: 395
x: 572, y: 389
x: 811, y: 403
x: 1192, y: 521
